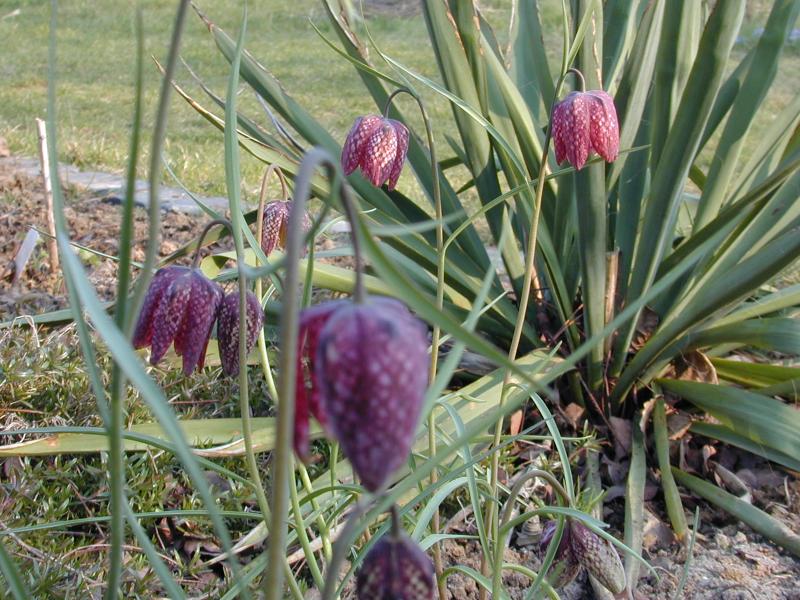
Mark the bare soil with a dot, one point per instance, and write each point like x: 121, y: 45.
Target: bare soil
x: 94, y: 222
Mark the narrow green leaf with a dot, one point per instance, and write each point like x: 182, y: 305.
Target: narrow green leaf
x: 727, y: 435
x: 763, y: 420
x: 763, y: 523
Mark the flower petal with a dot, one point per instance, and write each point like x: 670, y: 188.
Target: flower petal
x: 192, y: 337
x: 354, y: 145
x: 573, y: 124
x: 143, y: 334
x: 371, y: 365
x: 604, y: 126
x: 379, y: 153
x: 228, y: 329
x: 170, y: 314
x: 401, y: 131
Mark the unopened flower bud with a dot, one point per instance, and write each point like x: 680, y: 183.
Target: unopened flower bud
x: 396, y: 569
x: 597, y: 556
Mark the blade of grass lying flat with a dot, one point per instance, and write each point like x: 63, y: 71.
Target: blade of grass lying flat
x: 778, y: 335
x: 763, y: 420
x: 763, y: 523
x: 199, y: 433
x: 727, y: 435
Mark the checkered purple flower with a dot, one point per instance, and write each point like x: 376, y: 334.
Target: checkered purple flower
x: 584, y: 122
x: 378, y: 146
x: 180, y: 307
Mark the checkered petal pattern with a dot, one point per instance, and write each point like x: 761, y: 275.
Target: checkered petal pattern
x: 396, y: 569
x: 228, y: 329
x: 378, y: 146
x: 371, y: 367
x: 584, y: 122
x: 180, y: 308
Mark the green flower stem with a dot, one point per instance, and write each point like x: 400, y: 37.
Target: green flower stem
x: 492, y: 516
x: 302, y: 535
x: 497, y: 579
x: 324, y: 530
x: 436, y: 334
x: 127, y: 314
x: 276, y: 552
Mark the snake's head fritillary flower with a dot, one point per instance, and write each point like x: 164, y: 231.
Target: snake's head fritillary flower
x: 275, y: 225
x: 362, y: 371
x: 228, y: 329
x: 396, y: 569
x: 378, y: 145
x: 564, y: 564
x: 585, y: 122
x: 597, y: 556
x: 180, y: 307
x: 372, y: 369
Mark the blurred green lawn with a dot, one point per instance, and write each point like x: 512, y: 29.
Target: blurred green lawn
x: 95, y: 72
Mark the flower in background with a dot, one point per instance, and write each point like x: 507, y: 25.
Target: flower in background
x: 228, y: 329
x: 180, y: 306
x: 364, y: 377
x: 378, y: 145
x: 396, y: 568
x: 584, y: 122
x: 275, y: 224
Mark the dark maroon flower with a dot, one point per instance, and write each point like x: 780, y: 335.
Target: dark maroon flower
x: 307, y: 388
x: 275, y: 223
x: 597, y: 556
x: 582, y: 122
x: 395, y: 568
x: 564, y: 564
x: 228, y: 329
x: 367, y: 375
x: 180, y: 306
x: 378, y: 146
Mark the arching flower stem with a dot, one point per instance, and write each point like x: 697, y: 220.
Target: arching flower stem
x: 436, y: 334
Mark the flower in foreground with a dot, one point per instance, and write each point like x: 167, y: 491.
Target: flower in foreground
x: 395, y: 569
x: 180, y: 306
x: 585, y: 122
x: 228, y: 329
x: 275, y: 224
x: 580, y: 547
x: 378, y: 145
x: 364, y: 377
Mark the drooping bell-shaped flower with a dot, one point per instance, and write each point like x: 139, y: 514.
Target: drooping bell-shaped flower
x: 275, y: 224
x: 396, y: 569
x: 597, y: 556
x: 368, y: 375
x: 564, y: 564
x: 378, y: 145
x: 228, y: 329
x: 180, y: 306
x: 584, y: 122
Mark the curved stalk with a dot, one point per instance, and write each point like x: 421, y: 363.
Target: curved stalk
x: 436, y: 334
x: 497, y: 578
x: 491, y: 517
x: 276, y: 551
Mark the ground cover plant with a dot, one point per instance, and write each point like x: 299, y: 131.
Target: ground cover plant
x: 609, y: 251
